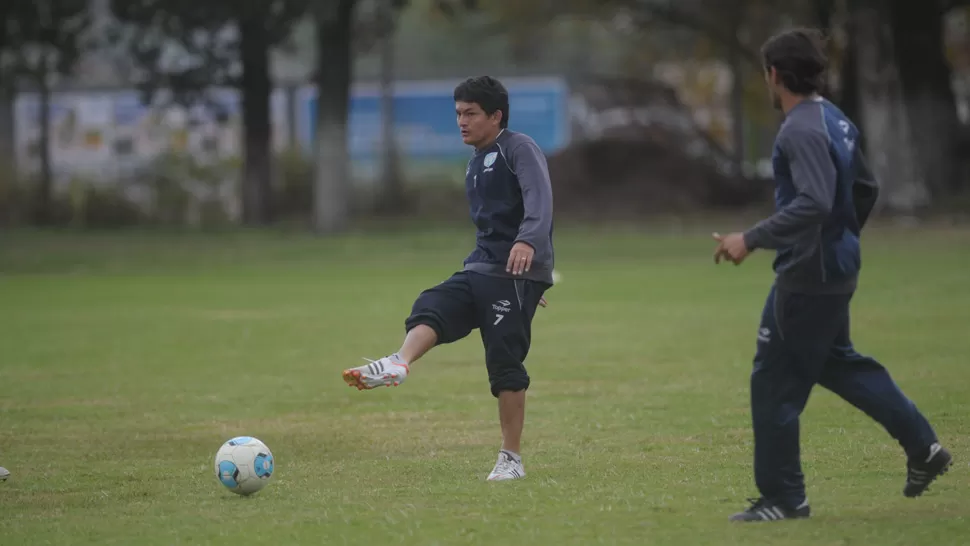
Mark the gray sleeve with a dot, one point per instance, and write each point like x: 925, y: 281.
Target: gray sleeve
x: 529, y: 165
x: 814, y: 176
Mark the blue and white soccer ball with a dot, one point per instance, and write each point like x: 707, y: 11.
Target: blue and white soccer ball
x: 244, y: 465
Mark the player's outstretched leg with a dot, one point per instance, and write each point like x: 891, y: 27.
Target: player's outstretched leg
x: 392, y: 370
x: 389, y: 371
x: 867, y: 385
x: 442, y: 314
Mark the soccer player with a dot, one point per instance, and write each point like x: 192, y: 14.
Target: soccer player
x: 504, y: 278
x: 824, y: 193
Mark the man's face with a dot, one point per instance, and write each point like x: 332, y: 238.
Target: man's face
x: 476, y: 127
x: 771, y: 78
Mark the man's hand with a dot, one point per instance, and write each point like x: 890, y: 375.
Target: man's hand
x: 543, y: 302
x: 730, y: 247
x: 520, y: 258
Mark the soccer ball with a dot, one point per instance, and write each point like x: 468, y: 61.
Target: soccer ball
x: 244, y: 465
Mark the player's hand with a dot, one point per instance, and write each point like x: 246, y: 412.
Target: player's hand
x: 520, y: 258
x: 731, y: 247
x: 543, y: 302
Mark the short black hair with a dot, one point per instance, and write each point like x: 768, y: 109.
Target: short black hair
x: 486, y: 92
x: 800, y: 59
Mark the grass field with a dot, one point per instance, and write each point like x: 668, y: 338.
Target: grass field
x: 127, y: 359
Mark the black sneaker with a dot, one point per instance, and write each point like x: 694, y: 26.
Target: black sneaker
x: 763, y: 510
x: 921, y: 473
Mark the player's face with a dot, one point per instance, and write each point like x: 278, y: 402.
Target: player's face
x: 476, y: 126
x: 771, y: 78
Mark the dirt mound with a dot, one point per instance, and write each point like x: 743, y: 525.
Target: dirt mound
x: 629, y: 178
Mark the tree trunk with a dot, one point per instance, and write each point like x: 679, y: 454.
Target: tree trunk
x: 331, y: 200
x: 45, y: 184
x: 392, y: 184
x: 257, y: 175
x: 889, y: 142
x: 849, y: 82
x: 7, y: 96
x: 824, y: 9
x: 824, y: 12
x: 917, y: 30
x: 737, y: 90
x: 8, y: 149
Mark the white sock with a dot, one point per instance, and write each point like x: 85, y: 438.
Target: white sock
x: 515, y: 456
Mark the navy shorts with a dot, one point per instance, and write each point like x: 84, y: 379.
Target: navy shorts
x: 502, y: 310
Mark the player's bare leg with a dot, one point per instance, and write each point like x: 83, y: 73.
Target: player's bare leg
x: 392, y: 370
x: 511, y: 412
x: 417, y: 343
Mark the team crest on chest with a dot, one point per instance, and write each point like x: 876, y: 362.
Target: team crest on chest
x: 490, y: 159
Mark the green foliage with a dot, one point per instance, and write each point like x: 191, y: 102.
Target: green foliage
x: 179, y: 191
x: 41, y: 37
x: 13, y: 198
x: 294, y: 192
x: 185, y: 191
x: 175, y: 190
x: 205, y: 31
x: 432, y: 195
x: 375, y: 19
x: 720, y: 26
x: 216, y: 43
x: 92, y: 206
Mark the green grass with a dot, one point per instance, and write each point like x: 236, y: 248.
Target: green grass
x: 127, y: 359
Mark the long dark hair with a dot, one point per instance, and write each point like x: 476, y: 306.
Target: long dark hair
x: 799, y: 57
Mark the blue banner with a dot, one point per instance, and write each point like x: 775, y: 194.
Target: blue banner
x: 424, y: 118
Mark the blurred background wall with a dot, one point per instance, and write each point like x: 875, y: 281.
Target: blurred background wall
x: 211, y: 113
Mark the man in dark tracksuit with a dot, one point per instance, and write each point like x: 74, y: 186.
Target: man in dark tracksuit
x: 824, y: 193
x: 505, y: 276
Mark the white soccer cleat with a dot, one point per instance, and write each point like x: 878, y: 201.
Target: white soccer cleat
x: 389, y: 371
x: 506, y: 468
x: 4, y: 474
